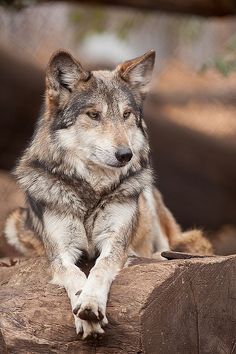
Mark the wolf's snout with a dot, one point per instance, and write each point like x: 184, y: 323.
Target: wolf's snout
x: 124, y: 154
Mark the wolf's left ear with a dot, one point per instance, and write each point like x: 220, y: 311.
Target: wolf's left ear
x: 63, y: 73
x: 137, y: 72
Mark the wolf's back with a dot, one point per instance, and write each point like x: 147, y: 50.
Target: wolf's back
x: 19, y: 235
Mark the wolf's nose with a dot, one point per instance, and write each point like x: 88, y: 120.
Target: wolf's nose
x: 124, y: 154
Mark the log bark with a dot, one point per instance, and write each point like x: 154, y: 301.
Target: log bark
x: 179, y: 306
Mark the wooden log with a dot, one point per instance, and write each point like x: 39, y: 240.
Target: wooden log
x: 179, y: 306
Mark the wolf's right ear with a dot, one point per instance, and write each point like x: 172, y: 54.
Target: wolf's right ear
x: 62, y: 75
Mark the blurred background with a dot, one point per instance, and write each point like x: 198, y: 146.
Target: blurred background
x: 191, y: 111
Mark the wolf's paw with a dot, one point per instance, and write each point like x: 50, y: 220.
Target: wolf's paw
x: 78, y: 325
x: 91, y: 314
x: 90, y: 309
x: 92, y: 330
x: 88, y: 329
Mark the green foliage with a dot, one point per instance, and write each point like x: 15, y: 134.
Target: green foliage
x: 225, y: 63
x: 88, y: 21
x: 92, y: 20
x: 231, y: 43
x: 190, y: 29
x: 225, y: 66
x: 131, y: 22
x: 16, y: 4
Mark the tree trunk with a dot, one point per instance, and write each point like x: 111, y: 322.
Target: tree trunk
x: 179, y: 306
x: 194, y: 7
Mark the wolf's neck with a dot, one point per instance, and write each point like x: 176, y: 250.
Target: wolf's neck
x: 98, y: 177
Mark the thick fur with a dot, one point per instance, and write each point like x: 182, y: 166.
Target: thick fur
x: 82, y: 198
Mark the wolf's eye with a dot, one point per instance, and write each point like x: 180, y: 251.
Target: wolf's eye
x: 94, y: 115
x: 126, y: 114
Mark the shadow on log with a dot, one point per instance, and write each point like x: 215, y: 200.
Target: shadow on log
x: 180, y: 306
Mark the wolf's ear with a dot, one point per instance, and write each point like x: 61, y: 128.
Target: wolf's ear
x: 63, y: 73
x: 138, y: 71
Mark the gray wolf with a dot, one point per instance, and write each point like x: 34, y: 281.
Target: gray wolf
x: 88, y: 184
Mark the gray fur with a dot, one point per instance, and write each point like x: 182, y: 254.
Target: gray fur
x: 74, y: 185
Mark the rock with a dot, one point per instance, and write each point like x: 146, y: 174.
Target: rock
x: 179, y: 306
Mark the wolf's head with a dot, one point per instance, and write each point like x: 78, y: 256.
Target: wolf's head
x: 97, y: 115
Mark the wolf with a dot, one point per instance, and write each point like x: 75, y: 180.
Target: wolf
x: 88, y: 184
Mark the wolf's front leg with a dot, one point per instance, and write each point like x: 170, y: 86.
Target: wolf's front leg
x: 112, y: 232
x: 91, y: 304
x: 64, y: 237
x: 69, y: 276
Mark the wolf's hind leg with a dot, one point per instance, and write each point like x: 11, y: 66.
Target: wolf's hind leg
x: 160, y: 242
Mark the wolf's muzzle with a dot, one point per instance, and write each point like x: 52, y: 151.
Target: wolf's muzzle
x: 123, y: 155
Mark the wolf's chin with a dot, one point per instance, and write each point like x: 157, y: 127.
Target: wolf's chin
x: 118, y: 165
x: 109, y: 165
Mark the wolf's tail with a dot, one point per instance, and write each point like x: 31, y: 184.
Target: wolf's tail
x: 19, y: 236
x: 192, y: 241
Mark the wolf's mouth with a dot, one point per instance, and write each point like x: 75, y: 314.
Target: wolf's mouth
x: 118, y: 164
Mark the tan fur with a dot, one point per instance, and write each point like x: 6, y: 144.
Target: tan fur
x: 29, y: 244
x: 89, y: 186
x: 192, y: 241
x: 168, y: 223
x: 142, y: 242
